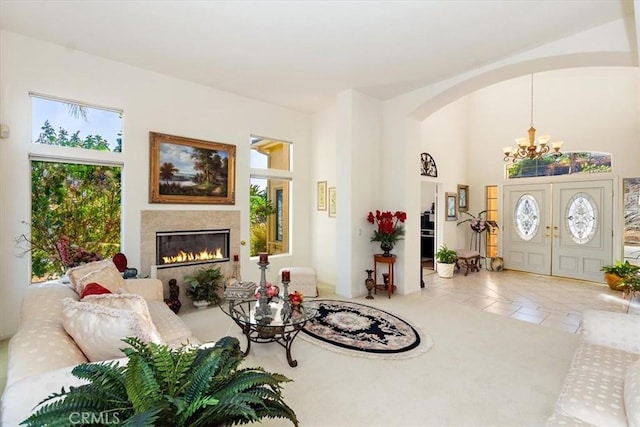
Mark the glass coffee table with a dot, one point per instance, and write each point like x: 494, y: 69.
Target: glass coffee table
x: 272, y: 326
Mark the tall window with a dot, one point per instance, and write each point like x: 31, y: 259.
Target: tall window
x: 632, y: 219
x: 270, y: 194
x: 491, y: 200
x: 75, y: 189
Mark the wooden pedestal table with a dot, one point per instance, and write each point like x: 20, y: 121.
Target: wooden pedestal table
x: 390, y: 261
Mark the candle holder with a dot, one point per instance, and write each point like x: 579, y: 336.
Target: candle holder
x: 286, y: 304
x: 235, y: 274
x: 262, y: 307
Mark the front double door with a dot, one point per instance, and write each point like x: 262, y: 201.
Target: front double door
x: 560, y: 229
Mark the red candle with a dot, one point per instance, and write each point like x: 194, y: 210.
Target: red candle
x: 236, y: 258
x: 264, y: 257
x: 286, y: 277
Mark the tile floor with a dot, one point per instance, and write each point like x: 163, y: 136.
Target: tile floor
x: 548, y: 301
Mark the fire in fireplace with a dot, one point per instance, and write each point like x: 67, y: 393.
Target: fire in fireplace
x: 180, y: 248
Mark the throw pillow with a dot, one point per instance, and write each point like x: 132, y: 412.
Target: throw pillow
x: 94, y: 289
x: 124, y: 301
x: 98, y: 330
x: 120, y: 261
x: 106, y: 274
x: 74, y: 274
x: 632, y: 394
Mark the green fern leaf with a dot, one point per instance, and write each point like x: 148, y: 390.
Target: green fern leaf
x: 142, y: 388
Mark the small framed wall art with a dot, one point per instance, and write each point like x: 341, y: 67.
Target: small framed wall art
x: 452, y: 206
x: 332, y: 202
x: 322, y: 196
x: 463, y: 198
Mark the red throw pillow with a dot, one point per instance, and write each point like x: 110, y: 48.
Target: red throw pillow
x: 94, y: 289
x: 120, y: 261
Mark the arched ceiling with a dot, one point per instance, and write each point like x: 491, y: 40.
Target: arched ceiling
x: 300, y: 54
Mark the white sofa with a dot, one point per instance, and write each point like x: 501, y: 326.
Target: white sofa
x: 603, y: 384
x: 41, y: 354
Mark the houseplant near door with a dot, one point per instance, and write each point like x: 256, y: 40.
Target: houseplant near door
x: 202, y: 286
x: 192, y: 386
x: 446, y: 261
x: 613, y: 274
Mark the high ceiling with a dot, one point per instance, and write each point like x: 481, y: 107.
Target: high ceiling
x: 299, y: 54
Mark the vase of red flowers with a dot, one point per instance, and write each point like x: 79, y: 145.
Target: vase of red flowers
x: 389, y: 229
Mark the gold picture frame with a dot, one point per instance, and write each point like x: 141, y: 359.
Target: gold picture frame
x: 187, y: 170
x: 322, y: 195
x: 332, y: 202
x: 452, y: 206
x: 463, y: 198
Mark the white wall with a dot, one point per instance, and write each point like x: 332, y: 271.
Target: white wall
x: 151, y: 102
x: 359, y: 165
x: 323, y: 228
x: 444, y: 135
x: 590, y: 109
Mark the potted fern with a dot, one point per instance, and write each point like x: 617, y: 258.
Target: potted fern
x: 203, y: 286
x: 446, y: 261
x: 192, y: 386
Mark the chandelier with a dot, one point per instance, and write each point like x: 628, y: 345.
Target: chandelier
x: 531, y: 148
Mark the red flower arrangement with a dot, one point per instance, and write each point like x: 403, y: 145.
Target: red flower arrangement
x: 296, y: 298
x: 389, y: 226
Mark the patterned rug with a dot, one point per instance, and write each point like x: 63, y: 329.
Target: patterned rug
x: 361, y: 330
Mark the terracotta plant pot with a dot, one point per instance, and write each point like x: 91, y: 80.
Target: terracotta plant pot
x: 613, y: 280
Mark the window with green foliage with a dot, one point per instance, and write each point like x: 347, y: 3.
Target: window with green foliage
x: 270, y: 195
x: 631, y: 211
x: 75, y: 202
x: 565, y: 164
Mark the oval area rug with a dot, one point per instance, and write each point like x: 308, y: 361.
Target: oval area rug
x: 365, y: 331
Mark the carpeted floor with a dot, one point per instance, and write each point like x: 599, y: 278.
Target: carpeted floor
x: 483, y: 370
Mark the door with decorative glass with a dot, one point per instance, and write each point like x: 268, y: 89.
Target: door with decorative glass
x: 562, y: 229
x: 527, y: 225
x: 582, y: 237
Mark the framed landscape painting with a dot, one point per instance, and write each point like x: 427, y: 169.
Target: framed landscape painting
x: 187, y: 170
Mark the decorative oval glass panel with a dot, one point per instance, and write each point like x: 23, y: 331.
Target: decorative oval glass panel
x: 527, y: 217
x: 582, y: 218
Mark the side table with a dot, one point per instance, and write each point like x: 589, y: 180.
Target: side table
x: 390, y: 261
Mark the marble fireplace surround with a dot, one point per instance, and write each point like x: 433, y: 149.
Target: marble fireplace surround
x: 172, y: 220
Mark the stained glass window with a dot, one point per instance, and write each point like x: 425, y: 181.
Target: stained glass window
x: 527, y: 217
x: 582, y: 218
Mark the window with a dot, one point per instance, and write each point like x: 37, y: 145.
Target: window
x: 491, y: 203
x: 75, y: 198
x: 565, y: 164
x: 527, y: 217
x: 270, y: 195
x: 632, y: 214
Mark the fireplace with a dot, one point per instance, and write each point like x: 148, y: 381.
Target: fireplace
x: 181, y: 248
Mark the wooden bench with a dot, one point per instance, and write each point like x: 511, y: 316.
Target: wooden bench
x: 469, y: 259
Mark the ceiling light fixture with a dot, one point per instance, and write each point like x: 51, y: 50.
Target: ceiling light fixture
x: 531, y: 148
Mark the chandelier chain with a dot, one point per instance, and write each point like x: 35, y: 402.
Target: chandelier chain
x: 531, y: 100
x: 531, y: 147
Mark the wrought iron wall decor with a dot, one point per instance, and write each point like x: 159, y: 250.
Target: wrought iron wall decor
x: 428, y: 165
